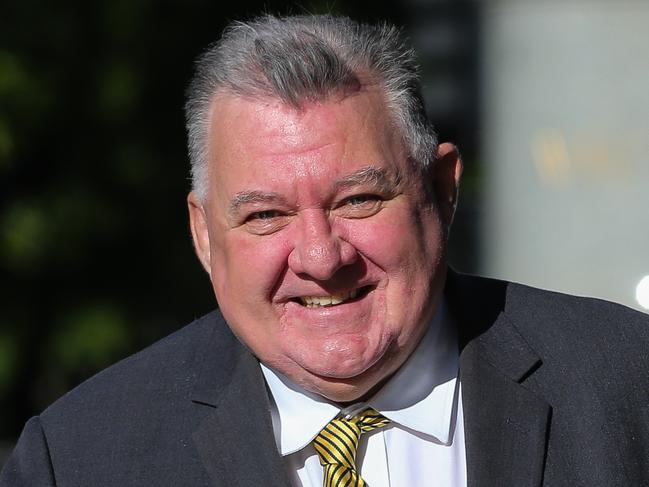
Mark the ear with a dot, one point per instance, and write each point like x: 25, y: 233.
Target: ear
x: 200, y: 232
x: 446, y: 174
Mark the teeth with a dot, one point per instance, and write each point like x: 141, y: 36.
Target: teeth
x: 323, y: 301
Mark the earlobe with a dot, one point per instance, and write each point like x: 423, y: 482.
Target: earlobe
x: 446, y: 174
x: 199, y: 229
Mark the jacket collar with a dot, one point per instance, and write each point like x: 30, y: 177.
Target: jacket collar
x: 231, y: 385
x: 505, y: 420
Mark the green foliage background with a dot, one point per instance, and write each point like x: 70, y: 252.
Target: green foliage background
x: 95, y: 255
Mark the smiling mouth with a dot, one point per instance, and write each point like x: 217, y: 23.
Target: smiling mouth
x: 331, y: 300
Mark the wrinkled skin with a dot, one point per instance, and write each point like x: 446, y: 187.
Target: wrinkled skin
x: 318, y: 202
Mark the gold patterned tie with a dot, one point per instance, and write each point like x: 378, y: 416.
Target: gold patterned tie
x: 336, y: 446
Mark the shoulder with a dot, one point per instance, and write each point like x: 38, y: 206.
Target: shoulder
x: 585, y: 322
x: 137, y: 416
x: 161, y: 373
x: 546, y: 315
x: 589, y: 347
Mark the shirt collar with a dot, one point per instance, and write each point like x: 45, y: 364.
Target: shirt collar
x: 420, y: 396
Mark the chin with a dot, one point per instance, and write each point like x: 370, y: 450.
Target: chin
x: 348, y: 387
x: 339, y: 390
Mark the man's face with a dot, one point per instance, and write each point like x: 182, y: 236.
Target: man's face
x: 326, y: 258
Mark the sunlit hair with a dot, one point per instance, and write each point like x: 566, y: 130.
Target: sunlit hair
x: 307, y: 58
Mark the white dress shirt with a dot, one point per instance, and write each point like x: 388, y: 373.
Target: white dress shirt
x: 423, y: 445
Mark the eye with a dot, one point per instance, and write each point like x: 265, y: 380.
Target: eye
x: 362, y: 199
x: 265, y: 222
x: 264, y: 215
x: 360, y: 206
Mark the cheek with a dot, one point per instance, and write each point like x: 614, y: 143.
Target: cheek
x: 250, y: 265
x: 396, y: 241
x: 408, y: 249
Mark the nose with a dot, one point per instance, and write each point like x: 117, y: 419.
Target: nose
x: 318, y: 252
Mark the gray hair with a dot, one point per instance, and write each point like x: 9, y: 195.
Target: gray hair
x: 307, y: 58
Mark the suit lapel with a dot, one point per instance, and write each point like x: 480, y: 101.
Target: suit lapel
x: 235, y: 439
x: 505, y: 421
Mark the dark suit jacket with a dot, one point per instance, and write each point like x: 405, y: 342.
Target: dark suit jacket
x: 555, y: 392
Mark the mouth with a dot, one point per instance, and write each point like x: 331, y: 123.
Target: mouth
x: 332, y: 299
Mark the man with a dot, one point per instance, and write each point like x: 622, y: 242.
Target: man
x: 343, y: 353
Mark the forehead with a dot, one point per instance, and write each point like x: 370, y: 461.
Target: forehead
x: 319, y: 142
x: 281, y: 127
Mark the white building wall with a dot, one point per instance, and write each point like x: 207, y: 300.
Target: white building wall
x: 565, y: 144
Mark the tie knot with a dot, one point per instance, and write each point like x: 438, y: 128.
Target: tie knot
x: 369, y: 419
x: 338, y: 441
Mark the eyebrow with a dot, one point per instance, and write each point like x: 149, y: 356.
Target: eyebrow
x: 251, y: 197
x: 378, y: 177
